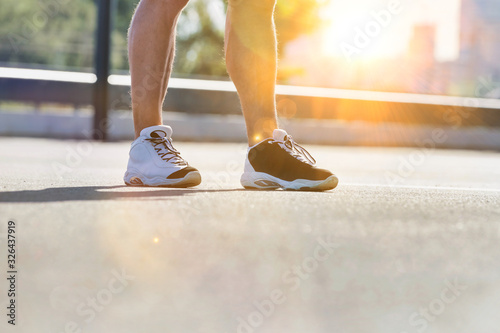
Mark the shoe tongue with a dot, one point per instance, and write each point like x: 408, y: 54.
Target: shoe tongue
x: 160, y: 131
x: 279, y: 134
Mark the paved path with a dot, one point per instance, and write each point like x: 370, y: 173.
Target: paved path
x: 408, y: 242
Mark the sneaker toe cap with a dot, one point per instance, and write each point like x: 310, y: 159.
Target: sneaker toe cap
x: 321, y: 174
x: 182, y: 172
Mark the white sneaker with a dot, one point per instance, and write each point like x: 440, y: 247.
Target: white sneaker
x: 154, y: 161
x: 281, y: 163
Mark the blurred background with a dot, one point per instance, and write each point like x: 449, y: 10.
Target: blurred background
x: 411, y: 224
x: 343, y: 64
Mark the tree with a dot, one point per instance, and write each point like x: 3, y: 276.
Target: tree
x: 200, y: 39
x: 61, y: 34
x: 201, y: 32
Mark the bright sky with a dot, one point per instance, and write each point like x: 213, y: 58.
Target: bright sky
x: 346, y: 16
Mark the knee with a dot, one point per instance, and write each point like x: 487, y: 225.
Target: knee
x: 260, y: 6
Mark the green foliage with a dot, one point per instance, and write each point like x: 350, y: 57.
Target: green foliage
x: 48, y: 32
x: 200, y: 39
x: 60, y: 33
x: 123, y: 10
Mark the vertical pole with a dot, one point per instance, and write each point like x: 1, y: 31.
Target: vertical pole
x: 102, y: 55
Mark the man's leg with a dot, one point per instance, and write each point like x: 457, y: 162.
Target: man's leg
x: 151, y: 54
x: 251, y: 59
x: 153, y: 161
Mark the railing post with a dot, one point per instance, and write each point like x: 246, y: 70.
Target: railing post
x: 102, y: 55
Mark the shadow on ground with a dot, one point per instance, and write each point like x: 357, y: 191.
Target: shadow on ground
x: 95, y: 193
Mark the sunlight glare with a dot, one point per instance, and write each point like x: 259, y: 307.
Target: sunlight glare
x: 346, y: 17
x: 343, y: 18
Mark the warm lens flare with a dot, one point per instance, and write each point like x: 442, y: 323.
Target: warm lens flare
x: 365, y: 30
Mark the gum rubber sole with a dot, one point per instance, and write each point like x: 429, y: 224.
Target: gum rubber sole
x: 262, y: 181
x: 191, y: 179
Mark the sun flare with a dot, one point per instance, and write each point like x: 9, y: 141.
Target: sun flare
x: 363, y: 30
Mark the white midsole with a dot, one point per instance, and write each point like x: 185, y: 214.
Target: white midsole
x: 251, y: 179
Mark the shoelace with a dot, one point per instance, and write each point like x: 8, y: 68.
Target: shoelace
x: 171, y: 154
x: 297, y: 150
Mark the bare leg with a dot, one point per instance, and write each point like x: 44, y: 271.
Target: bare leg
x: 151, y: 54
x: 251, y: 59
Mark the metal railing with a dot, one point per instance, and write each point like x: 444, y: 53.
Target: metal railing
x: 220, y: 97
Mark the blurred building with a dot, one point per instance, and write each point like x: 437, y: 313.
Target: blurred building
x: 479, y: 40
x: 479, y: 37
x: 478, y: 61
x: 417, y: 70
x: 422, y: 45
x: 423, y: 71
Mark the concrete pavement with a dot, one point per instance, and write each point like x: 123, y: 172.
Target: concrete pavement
x: 408, y: 242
